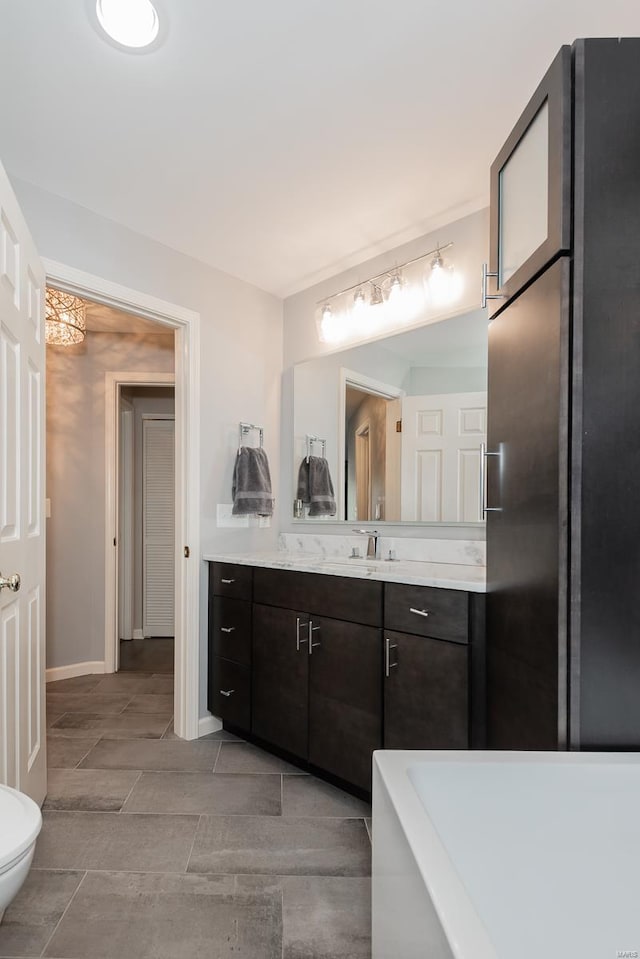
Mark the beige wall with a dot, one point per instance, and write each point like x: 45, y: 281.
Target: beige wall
x: 76, y: 483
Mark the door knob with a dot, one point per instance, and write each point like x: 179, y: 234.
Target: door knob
x: 11, y: 582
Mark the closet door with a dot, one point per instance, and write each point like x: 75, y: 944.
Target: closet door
x: 158, y: 524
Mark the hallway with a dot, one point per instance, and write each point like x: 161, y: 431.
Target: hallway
x: 156, y: 848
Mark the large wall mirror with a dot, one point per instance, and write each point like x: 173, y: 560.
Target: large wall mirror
x: 400, y: 423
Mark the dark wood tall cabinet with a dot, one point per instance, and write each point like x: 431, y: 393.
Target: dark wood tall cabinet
x: 563, y: 527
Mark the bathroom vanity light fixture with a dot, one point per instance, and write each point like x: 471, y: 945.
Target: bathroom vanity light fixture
x: 389, y: 299
x: 130, y: 23
x: 65, y: 318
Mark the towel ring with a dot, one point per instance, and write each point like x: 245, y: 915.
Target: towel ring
x: 315, y: 439
x: 245, y: 428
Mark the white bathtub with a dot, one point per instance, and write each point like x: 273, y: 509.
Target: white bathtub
x: 492, y: 855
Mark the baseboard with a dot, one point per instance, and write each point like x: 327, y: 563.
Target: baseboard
x: 138, y: 634
x: 208, y: 724
x: 74, y: 669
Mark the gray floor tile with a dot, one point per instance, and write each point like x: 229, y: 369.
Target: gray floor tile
x: 151, y: 703
x: 313, y: 797
x: 97, y: 703
x: 246, y: 758
x: 124, y: 683
x: 196, y: 793
x: 67, y: 753
x: 53, y: 716
x: 326, y: 916
x: 96, y: 840
x: 132, y: 726
x: 157, y: 754
x: 220, y: 735
x: 33, y: 915
x: 281, y: 846
x: 123, y: 916
x: 76, y: 684
x: 96, y: 790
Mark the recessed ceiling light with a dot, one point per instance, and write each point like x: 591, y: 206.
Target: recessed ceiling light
x: 131, y: 23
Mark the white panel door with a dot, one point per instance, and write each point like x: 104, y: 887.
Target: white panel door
x: 158, y: 524
x: 441, y: 437
x: 22, y: 550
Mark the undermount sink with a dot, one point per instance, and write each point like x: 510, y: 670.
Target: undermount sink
x: 356, y: 561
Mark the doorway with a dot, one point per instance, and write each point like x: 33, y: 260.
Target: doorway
x: 185, y: 326
x: 146, y: 524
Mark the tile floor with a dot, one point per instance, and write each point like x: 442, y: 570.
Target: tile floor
x: 155, y: 848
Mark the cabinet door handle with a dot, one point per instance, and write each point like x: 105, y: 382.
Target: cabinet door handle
x: 388, y: 665
x: 312, y: 629
x: 227, y: 582
x: 419, y: 612
x: 227, y: 692
x: 484, y: 509
x: 299, y: 638
x: 227, y: 629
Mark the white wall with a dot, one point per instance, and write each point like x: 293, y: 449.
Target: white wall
x: 241, y: 348
x: 76, y: 483
x: 470, y: 236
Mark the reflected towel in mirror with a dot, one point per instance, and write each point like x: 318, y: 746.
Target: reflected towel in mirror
x: 315, y: 487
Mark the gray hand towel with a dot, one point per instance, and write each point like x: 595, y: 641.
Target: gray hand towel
x: 315, y: 487
x: 251, y: 488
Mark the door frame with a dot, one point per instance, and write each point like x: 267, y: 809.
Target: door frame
x: 186, y: 325
x: 113, y: 383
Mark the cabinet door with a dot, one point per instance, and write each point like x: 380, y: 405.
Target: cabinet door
x: 280, y: 699
x: 426, y: 693
x: 345, y: 698
x: 530, y: 209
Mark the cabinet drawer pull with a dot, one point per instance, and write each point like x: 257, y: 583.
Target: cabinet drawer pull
x: 227, y: 692
x: 227, y: 582
x: 388, y: 665
x: 299, y: 638
x: 227, y: 629
x: 419, y: 612
x: 312, y: 629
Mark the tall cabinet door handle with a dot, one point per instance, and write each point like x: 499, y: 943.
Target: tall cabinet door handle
x: 484, y: 509
x: 299, y: 638
x: 312, y: 629
x: 484, y: 294
x: 388, y: 665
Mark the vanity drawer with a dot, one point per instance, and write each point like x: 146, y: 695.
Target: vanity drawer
x: 427, y: 611
x: 231, y: 693
x: 230, y: 579
x: 339, y: 597
x: 231, y: 629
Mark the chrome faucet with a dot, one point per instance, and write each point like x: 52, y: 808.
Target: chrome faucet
x: 372, y: 545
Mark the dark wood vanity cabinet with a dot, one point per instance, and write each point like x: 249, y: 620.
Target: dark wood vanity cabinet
x: 427, y: 667
x: 316, y: 678
x: 327, y: 669
x: 230, y: 630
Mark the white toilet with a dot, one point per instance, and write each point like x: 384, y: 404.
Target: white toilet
x: 20, y: 824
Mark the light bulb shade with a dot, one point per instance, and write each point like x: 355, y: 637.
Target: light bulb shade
x: 131, y: 23
x: 443, y: 285
x: 65, y: 318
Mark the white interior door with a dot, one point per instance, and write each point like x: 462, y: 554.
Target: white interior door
x: 22, y: 533
x: 441, y: 437
x: 158, y: 524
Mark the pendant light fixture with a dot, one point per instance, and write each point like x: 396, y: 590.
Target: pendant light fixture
x: 65, y: 318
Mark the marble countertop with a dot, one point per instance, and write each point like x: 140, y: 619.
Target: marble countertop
x: 415, y: 573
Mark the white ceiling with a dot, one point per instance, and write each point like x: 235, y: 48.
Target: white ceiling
x: 280, y: 141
